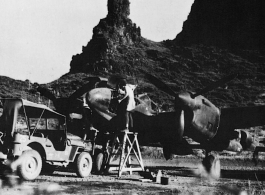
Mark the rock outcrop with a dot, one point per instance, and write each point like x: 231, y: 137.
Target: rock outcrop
x: 220, y: 37
x: 225, y: 23
x: 113, y: 31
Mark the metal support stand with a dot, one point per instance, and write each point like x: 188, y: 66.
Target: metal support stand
x: 125, y: 148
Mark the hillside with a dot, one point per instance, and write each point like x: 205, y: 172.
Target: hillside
x: 10, y: 88
x: 230, y: 24
x: 118, y: 47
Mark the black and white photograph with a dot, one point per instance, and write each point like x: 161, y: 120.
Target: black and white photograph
x: 135, y: 97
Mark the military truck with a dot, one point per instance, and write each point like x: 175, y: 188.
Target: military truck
x: 35, y: 137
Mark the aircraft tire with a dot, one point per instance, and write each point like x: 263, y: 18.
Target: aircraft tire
x: 100, y: 162
x: 208, y: 162
x: 216, y: 169
x: 246, y: 140
x: 211, y: 164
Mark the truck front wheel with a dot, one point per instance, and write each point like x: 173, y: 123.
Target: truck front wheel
x: 30, y: 164
x: 84, y: 164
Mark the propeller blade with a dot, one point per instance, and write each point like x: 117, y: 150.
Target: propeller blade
x: 159, y: 84
x: 215, y: 85
x: 46, y: 93
x: 93, y: 78
x: 85, y: 88
x: 181, y: 126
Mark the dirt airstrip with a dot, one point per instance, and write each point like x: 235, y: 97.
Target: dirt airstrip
x: 186, y: 176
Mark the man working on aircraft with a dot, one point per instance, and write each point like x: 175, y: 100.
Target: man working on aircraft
x: 126, y: 104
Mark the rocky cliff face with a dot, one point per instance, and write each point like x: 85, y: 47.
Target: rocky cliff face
x: 112, y: 32
x: 225, y: 23
x: 117, y: 44
x: 217, y: 40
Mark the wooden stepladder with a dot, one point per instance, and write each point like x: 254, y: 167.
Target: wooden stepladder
x: 126, y: 147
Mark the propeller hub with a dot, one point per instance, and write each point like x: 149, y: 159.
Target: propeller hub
x: 184, y: 100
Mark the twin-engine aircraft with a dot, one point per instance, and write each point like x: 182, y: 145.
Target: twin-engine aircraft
x: 194, y: 117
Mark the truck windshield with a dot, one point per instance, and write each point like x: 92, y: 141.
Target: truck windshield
x: 45, y: 124
x: 24, y: 117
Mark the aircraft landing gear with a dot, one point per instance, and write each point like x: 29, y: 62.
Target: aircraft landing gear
x: 256, y: 154
x: 211, y: 163
x: 102, y: 156
x: 101, y: 161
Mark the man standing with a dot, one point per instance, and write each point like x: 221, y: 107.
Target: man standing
x: 126, y: 104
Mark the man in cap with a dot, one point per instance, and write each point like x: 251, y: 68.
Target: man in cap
x: 127, y: 104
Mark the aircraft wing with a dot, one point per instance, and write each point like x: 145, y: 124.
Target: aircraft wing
x: 242, y: 117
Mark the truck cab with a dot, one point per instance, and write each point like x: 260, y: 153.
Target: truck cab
x: 35, y: 137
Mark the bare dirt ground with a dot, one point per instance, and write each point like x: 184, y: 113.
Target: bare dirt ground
x: 238, y: 176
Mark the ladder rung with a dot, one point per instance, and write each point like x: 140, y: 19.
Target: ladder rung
x: 118, y: 153
x: 132, y: 169
x: 113, y: 168
x: 125, y: 169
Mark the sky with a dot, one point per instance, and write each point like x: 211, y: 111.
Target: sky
x: 39, y: 37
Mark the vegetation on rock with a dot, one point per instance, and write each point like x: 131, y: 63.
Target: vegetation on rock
x: 117, y: 47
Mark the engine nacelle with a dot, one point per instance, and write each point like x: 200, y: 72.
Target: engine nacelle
x: 201, y: 116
